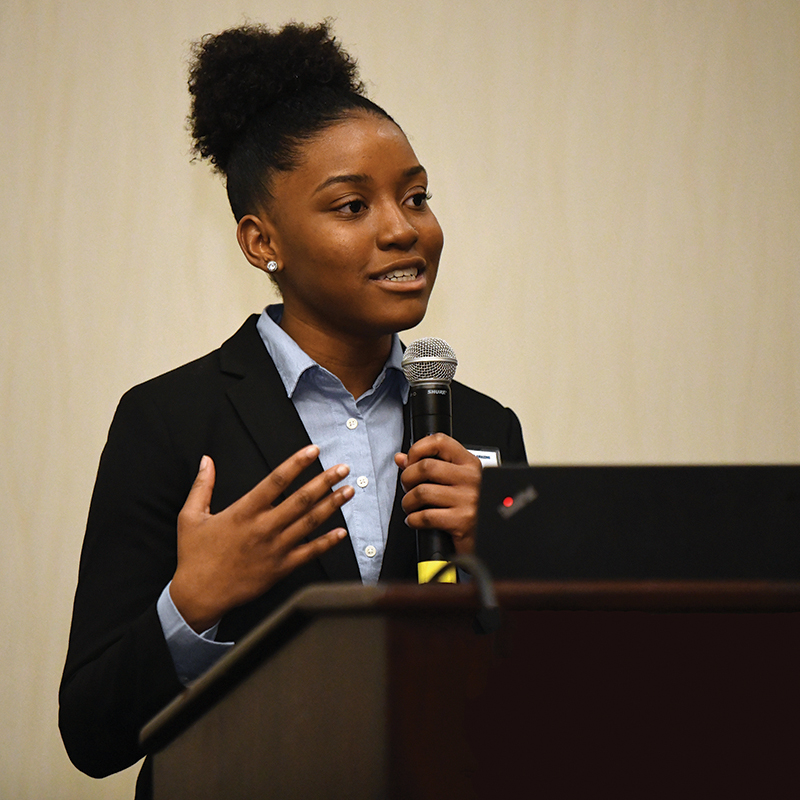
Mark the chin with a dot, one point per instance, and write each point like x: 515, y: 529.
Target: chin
x: 410, y: 319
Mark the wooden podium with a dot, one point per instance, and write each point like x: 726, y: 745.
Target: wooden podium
x: 636, y: 689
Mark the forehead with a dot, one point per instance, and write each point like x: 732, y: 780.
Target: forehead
x: 361, y: 144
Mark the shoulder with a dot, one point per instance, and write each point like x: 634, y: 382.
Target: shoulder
x: 192, y: 396
x: 195, y: 378
x: 205, y: 376
x: 480, y: 420
x: 469, y: 399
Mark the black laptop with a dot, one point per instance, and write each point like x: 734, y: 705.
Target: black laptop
x: 641, y: 522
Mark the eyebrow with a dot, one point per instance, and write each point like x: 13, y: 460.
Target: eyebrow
x: 362, y: 178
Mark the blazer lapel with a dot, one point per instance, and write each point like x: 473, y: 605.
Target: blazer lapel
x: 272, y: 421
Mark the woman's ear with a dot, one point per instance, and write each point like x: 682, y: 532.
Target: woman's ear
x: 256, y: 239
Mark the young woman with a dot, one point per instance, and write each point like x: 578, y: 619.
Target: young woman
x: 296, y: 422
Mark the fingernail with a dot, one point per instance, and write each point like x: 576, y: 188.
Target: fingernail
x: 203, y: 463
x: 342, y: 470
x: 312, y: 451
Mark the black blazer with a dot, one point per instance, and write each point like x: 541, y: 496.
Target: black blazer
x: 231, y: 405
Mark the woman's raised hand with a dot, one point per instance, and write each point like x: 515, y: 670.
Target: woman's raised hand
x: 229, y: 558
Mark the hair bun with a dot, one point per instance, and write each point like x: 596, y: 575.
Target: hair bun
x: 240, y: 73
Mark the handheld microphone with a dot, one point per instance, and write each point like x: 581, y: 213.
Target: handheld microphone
x: 429, y: 365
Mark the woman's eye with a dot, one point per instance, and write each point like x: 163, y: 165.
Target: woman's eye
x: 420, y: 199
x: 353, y: 207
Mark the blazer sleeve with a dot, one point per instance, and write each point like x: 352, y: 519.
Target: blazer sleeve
x: 119, y: 672
x: 513, y: 451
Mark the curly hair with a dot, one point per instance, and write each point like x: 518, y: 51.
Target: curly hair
x: 258, y: 95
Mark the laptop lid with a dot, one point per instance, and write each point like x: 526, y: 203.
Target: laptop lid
x: 641, y: 522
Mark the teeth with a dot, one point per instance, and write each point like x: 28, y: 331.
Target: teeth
x: 408, y: 274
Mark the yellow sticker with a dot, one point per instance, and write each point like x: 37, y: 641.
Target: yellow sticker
x: 427, y: 569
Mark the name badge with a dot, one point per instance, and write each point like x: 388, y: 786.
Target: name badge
x: 489, y: 456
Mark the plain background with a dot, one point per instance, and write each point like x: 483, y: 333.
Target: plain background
x: 619, y: 185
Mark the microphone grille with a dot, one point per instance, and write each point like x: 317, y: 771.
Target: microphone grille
x: 429, y: 359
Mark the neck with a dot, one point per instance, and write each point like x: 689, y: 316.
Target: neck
x: 355, y: 361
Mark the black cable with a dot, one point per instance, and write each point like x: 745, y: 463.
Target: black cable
x: 487, y: 620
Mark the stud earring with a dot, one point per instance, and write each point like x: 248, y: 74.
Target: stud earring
x: 272, y: 266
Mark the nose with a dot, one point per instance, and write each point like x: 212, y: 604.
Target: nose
x: 395, y: 229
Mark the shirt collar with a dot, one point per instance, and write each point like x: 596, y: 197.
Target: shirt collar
x: 292, y: 362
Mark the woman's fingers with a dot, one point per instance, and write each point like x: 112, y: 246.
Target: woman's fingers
x: 260, y: 503
x: 264, y: 494
x: 442, y: 482
x: 440, y: 446
x: 442, y: 461
x: 198, y: 501
x: 306, y: 521
x: 308, y: 551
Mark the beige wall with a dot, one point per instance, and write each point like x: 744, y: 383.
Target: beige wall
x: 619, y: 184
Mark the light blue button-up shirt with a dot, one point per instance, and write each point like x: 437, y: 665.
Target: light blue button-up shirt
x: 363, y: 433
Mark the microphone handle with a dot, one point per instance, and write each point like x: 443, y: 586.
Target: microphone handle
x: 431, y: 411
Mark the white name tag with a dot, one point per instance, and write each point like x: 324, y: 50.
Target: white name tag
x: 489, y: 456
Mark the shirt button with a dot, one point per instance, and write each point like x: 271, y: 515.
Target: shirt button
x: 370, y: 551
x: 352, y: 423
x: 363, y: 481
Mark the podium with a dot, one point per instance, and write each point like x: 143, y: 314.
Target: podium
x: 644, y: 689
